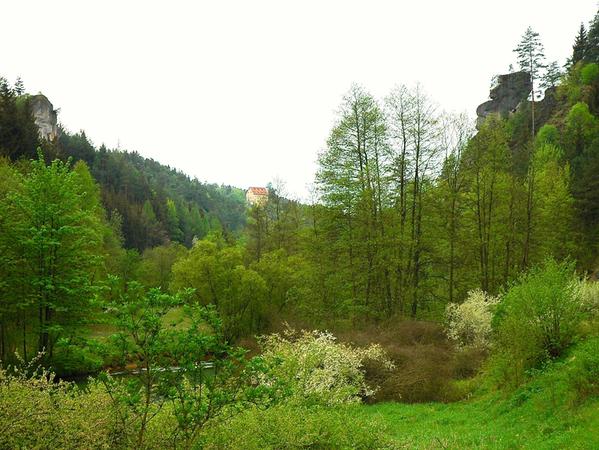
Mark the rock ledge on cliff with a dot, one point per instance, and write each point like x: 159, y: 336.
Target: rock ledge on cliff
x: 511, y: 90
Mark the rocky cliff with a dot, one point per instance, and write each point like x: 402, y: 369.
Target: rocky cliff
x: 511, y: 90
x: 45, y: 116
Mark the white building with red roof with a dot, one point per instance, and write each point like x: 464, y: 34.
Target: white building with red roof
x: 256, y: 195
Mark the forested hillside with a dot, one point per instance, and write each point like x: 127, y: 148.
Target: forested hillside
x: 152, y: 203
x: 452, y: 263
x: 417, y: 207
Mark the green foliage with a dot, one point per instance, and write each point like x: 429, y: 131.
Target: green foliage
x: 531, y: 56
x: 538, y: 317
x: 155, y: 267
x: 552, y: 76
x: 78, y: 356
x: 557, y: 409
x: 185, y: 365
x: 411, y: 212
x: 540, y: 414
x: 50, y: 245
x: 592, y: 41
x: 548, y: 134
x: 37, y: 411
x: 581, y: 126
x: 589, y: 293
x: 579, y: 49
x: 216, y: 272
x: 554, y: 205
x: 583, y: 373
x: 18, y: 132
x: 589, y: 73
x: 156, y: 203
x: 292, y: 427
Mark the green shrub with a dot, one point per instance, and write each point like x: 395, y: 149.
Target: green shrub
x: 38, y: 412
x: 293, y: 427
x: 589, y: 73
x: 72, y: 358
x: 537, y: 318
x: 548, y: 134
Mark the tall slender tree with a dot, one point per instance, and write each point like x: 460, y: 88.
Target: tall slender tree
x: 350, y: 179
x: 531, y: 58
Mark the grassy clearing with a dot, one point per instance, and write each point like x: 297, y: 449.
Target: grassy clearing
x: 490, y: 423
x: 102, y: 331
x: 557, y: 409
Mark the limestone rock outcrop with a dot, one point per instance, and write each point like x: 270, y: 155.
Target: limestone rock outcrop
x: 511, y: 90
x: 45, y: 116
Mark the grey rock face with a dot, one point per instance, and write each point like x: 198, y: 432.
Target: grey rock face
x: 510, y: 91
x: 45, y: 116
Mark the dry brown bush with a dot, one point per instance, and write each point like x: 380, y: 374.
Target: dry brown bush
x: 426, y: 362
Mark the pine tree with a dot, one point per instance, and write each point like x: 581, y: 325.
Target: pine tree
x: 19, y: 87
x: 592, y: 41
x: 552, y: 76
x: 579, y: 49
x: 531, y: 59
x: 5, y: 89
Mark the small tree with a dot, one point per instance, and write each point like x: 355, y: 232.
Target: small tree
x: 185, y: 363
x: 538, y: 317
x: 19, y: 87
x: 552, y: 76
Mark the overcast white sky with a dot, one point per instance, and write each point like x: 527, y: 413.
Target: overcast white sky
x: 241, y: 92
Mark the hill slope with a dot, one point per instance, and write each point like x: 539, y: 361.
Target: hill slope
x: 152, y: 203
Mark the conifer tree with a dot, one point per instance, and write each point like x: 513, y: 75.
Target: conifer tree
x: 172, y: 221
x: 19, y: 87
x: 579, y: 48
x: 5, y: 89
x: 592, y: 41
x: 531, y: 59
x: 552, y: 76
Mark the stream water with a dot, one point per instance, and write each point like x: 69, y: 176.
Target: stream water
x: 83, y: 381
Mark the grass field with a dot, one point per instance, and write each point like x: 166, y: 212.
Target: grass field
x: 557, y: 409
x: 491, y: 423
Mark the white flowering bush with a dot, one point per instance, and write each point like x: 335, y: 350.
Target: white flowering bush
x: 589, y: 295
x: 315, y: 368
x: 469, y: 323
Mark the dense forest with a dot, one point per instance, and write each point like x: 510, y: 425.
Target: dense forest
x: 152, y: 203
x: 451, y: 261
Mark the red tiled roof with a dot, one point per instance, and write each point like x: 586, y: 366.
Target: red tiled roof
x: 258, y: 190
